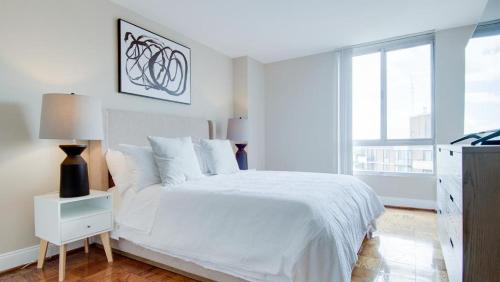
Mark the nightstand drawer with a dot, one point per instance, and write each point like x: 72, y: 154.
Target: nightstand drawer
x: 86, y: 226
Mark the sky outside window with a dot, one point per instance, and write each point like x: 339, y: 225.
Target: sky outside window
x: 366, y: 96
x: 482, y: 84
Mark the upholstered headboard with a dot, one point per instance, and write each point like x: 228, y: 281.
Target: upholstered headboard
x: 130, y: 127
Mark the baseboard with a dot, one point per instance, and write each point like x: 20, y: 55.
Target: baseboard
x: 27, y: 255
x: 409, y: 203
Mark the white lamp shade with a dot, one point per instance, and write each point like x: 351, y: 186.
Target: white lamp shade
x: 237, y: 130
x: 66, y: 116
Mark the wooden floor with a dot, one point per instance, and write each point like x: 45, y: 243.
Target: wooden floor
x: 404, y: 249
x: 94, y: 267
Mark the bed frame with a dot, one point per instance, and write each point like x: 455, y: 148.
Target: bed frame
x: 129, y: 127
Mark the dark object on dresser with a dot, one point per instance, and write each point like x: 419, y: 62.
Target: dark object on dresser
x: 489, y: 139
x: 481, y: 138
x: 468, y: 192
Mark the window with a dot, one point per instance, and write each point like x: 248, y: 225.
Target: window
x: 482, y: 79
x: 392, y: 115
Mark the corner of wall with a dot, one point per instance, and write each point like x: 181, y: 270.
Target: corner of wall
x: 249, y: 101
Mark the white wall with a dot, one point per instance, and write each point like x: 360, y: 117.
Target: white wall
x: 249, y: 101
x: 240, y: 86
x: 257, y: 114
x: 300, y: 114
x: 450, y: 82
x: 417, y: 191
x: 71, y: 46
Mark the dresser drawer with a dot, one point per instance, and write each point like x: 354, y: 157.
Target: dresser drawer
x: 442, y: 198
x: 456, y: 232
x: 84, y: 227
x: 453, y: 186
x: 453, y: 259
x: 449, y: 231
x: 454, y: 223
x: 449, y: 160
x: 449, y: 173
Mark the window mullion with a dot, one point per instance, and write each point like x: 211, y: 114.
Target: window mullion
x: 383, y: 93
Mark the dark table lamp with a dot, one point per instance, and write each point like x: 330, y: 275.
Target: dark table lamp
x: 71, y: 117
x: 237, y: 131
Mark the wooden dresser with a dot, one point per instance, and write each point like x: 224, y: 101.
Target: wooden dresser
x: 468, y: 204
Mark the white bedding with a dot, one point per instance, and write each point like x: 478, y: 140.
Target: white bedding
x: 257, y: 225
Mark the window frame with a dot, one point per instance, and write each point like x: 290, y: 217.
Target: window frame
x: 383, y: 48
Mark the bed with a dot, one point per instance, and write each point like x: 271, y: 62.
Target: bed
x: 247, y: 226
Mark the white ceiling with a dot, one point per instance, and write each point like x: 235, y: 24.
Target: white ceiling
x: 273, y: 30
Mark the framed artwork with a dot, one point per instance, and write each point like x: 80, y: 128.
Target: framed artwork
x: 153, y: 66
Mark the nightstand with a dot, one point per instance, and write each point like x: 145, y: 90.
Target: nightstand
x: 64, y: 220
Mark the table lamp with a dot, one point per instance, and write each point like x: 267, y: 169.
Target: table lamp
x: 73, y: 117
x: 237, y: 131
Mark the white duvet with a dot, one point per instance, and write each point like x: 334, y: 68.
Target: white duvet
x: 257, y: 225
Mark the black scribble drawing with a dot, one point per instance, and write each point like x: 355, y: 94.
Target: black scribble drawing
x: 154, y: 65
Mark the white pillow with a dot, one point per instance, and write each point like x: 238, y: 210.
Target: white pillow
x: 142, y: 166
x: 200, y: 156
x: 219, y: 156
x: 176, y: 159
x: 117, y: 166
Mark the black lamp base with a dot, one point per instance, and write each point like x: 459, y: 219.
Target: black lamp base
x: 74, y: 173
x: 241, y: 156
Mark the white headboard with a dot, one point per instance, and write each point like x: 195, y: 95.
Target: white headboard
x: 130, y: 127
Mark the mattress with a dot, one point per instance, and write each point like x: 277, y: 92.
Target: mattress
x: 255, y: 225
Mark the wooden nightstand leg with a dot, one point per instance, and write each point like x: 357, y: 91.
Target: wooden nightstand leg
x: 107, y: 246
x: 41, y: 253
x: 86, y: 245
x: 62, y: 262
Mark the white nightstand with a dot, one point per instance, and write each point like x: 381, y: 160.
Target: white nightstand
x: 64, y: 220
